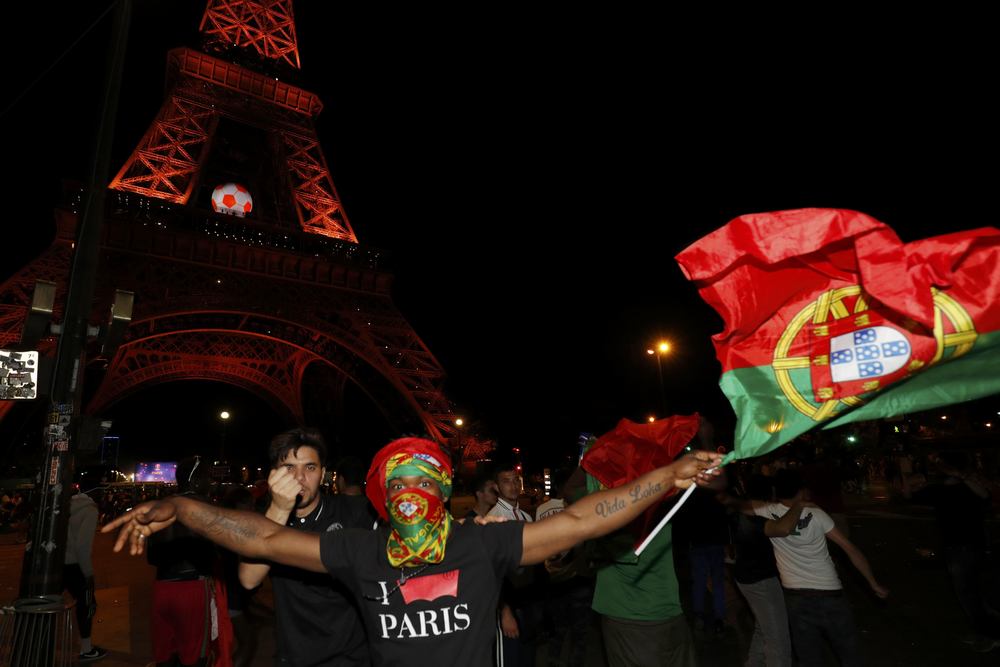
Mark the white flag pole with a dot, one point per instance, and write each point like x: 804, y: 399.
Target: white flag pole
x: 665, y: 520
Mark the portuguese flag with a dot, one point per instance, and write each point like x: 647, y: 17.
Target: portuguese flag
x: 831, y: 319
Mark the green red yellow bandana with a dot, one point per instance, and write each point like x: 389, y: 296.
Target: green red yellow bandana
x: 418, y: 464
x: 420, y: 528
x: 420, y: 523
x: 402, y: 452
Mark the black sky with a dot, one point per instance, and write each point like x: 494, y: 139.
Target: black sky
x: 533, y: 173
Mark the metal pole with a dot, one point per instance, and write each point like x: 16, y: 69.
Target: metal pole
x: 663, y: 392
x: 43, y: 558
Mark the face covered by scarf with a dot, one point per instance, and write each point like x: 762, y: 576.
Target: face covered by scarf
x: 420, y: 523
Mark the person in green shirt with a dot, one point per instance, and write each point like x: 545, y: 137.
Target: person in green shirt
x: 638, y: 598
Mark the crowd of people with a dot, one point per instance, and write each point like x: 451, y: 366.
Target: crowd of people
x: 519, y: 577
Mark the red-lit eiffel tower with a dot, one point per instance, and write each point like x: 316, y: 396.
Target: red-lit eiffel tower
x: 282, y: 301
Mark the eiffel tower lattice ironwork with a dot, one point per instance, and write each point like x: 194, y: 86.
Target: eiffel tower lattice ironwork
x: 251, y: 301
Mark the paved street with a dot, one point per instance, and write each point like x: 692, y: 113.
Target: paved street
x: 920, y: 624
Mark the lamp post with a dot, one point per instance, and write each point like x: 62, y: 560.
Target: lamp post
x: 224, y: 416
x: 661, y: 348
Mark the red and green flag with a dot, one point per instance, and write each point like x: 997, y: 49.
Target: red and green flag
x: 632, y: 449
x: 831, y: 319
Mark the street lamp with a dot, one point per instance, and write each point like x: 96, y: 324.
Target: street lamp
x: 224, y: 416
x: 660, y: 349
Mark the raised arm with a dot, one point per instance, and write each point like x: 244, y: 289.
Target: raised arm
x: 858, y: 560
x: 245, y: 533
x: 783, y: 527
x: 603, y: 512
x: 284, y: 490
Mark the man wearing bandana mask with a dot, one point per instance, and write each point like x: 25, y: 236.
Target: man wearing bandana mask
x: 426, y: 585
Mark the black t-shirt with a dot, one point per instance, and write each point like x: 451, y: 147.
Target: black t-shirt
x: 754, y: 553
x: 447, y: 612
x: 316, y: 618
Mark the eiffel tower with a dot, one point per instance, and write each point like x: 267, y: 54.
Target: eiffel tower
x: 267, y: 287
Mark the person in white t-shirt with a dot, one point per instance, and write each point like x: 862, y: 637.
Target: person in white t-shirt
x: 814, y: 596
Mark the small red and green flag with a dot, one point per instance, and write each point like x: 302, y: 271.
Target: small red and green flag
x: 632, y: 449
x: 831, y: 319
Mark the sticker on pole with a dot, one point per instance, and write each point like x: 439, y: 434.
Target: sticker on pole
x: 18, y: 375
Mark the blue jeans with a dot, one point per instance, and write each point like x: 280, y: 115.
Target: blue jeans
x: 709, y: 561
x: 813, y: 617
x: 770, y: 645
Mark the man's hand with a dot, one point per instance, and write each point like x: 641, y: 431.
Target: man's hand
x: 694, y: 469
x: 508, y: 624
x: 139, y: 523
x: 488, y: 519
x: 284, y: 489
x: 880, y: 591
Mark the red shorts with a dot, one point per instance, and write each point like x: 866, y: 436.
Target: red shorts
x: 180, y: 624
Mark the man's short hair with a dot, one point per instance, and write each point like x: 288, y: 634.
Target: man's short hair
x: 481, y: 483
x: 351, y: 470
x: 787, y: 483
x: 759, y: 487
x: 288, y: 443
x: 503, y: 465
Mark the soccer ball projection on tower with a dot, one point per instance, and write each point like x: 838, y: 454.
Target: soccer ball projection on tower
x: 232, y: 199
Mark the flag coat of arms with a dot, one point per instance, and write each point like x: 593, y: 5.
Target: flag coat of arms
x: 830, y: 319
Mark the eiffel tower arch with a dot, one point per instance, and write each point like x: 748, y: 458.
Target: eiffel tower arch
x: 282, y: 301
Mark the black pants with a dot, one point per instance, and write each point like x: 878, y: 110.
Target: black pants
x: 76, y: 584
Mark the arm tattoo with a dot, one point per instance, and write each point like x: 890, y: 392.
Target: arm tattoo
x: 606, y: 508
x: 640, y: 494
x: 214, y: 525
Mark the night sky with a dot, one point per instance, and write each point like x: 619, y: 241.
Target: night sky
x: 534, y: 173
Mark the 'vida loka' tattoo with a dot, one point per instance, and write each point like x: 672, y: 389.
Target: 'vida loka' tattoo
x: 639, y: 494
x: 606, y: 508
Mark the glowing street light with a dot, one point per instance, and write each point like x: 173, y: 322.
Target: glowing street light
x: 652, y: 419
x: 459, y: 422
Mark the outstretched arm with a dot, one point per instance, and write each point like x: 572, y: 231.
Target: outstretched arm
x: 246, y: 533
x: 603, y: 512
x: 783, y: 527
x: 858, y: 560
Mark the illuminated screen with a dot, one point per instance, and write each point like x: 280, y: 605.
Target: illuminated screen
x: 156, y: 472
